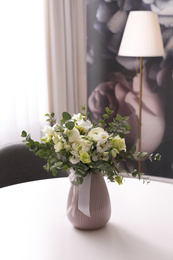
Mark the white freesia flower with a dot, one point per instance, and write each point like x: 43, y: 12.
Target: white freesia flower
x: 102, y: 137
x: 73, y: 135
x: 48, y: 130
x: 59, y: 139
x: 85, y: 145
x: 58, y: 146
x: 94, y: 133
x: 84, y: 125
x: 56, y: 139
x: 80, y: 146
x: 75, y: 146
x: 74, y: 159
x: 81, y: 123
x: 74, y: 153
x: 101, y: 148
x: 77, y: 116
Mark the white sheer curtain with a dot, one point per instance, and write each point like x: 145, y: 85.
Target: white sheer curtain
x: 66, y: 42
x: 42, y: 43
x: 23, y: 73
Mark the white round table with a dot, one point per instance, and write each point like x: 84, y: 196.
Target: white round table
x: 34, y: 226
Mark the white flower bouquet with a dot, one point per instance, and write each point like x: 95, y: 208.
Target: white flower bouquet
x: 86, y: 147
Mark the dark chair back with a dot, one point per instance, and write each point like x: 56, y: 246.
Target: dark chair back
x: 18, y: 164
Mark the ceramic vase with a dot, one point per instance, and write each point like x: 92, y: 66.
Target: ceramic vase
x: 99, y: 204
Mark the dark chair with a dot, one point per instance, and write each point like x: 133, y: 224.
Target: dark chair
x: 18, y: 164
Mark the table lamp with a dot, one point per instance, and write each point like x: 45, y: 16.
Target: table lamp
x: 141, y: 38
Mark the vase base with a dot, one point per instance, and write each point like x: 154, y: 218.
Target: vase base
x: 90, y: 229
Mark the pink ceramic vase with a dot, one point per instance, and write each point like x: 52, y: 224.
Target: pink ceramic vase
x: 99, y: 205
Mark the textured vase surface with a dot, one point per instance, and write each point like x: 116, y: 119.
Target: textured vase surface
x: 99, y: 205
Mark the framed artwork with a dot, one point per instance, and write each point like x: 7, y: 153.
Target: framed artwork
x: 112, y: 80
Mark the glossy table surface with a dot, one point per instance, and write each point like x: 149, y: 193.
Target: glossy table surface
x: 34, y: 226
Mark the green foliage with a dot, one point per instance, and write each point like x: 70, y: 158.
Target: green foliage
x: 118, y: 126
x: 142, y: 155
x: 154, y: 157
x: 118, y: 179
x: 133, y: 149
x: 66, y: 116
x: 46, y: 151
x: 69, y: 125
x: 51, y: 118
x: 24, y: 134
x: 102, y: 122
x: 60, y: 157
x: 108, y: 111
x: 83, y: 108
x: 134, y: 173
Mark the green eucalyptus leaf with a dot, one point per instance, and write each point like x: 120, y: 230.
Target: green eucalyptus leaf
x: 80, y: 172
x: 53, y: 159
x: 46, y: 167
x: 53, y: 167
x: 43, y: 154
x: 75, y: 183
x: 37, y: 143
x: 83, y: 108
x: 54, y: 172
x: 95, y: 170
x: 62, y: 122
x: 157, y: 157
x: 58, y: 164
x: 66, y: 116
x: 150, y: 157
x: 70, y: 125
x: 134, y: 173
x: 118, y: 179
x: 65, y: 167
x: 104, y: 166
x: 25, y: 141
x: 133, y: 149
x: 119, y: 118
x: 24, y: 134
x: 141, y: 155
x: 109, y: 111
x: 106, y: 116
x: 33, y: 147
x: 28, y: 138
x: 102, y: 122
x: 80, y: 180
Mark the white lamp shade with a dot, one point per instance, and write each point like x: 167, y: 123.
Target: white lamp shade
x: 142, y: 36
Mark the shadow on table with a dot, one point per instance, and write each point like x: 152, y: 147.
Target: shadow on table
x: 114, y: 242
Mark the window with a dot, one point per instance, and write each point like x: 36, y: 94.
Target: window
x: 23, y: 76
